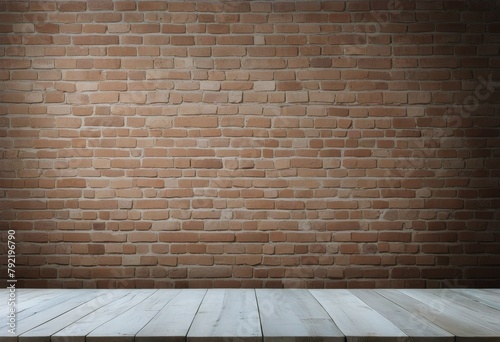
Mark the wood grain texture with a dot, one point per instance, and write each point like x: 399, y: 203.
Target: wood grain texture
x: 48, y: 310
x: 28, y: 299
x: 461, y: 324
x: 124, y: 326
x: 124, y: 300
x: 294, y: 315
x: 357, y: 321
x: 246, y: 315
x: 484, y: 315
x: 484, y: 297
x: 420, y: 329
x: 43, y: 332
x: 227, y: 314
x: 174, y: 319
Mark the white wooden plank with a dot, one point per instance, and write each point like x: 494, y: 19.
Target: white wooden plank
x: 485, y: 297
x: 31, y: 293
x: 174, y: 319
x: 226, y: 315
x: 487, y: 316
x: 5, y: 336
x: 38, y: 297
x: 126, y: 325
x: 78, y: 330
x: 357, y: 321
x: 294, y: 315
x: 464, y: 327
x: 43, y: 332
x: 41, y: 294
x: 23, y: 291
x: 29, y: 290
x: 151, y: 315
x: 4, y: 308
x: 413, y: 325
x: 28, y: 294
x: 494, y: 291
x: 26, y: 300
x: 47, y: 310
x: 46, y: 301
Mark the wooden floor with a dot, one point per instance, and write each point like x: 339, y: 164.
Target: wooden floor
x: 253, y: 315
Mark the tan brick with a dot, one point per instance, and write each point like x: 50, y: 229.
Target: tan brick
x: 264, y: 86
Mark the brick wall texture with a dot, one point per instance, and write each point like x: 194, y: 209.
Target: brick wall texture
x: 251, y: 144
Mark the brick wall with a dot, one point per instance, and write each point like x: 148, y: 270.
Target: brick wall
x: 251, y: 144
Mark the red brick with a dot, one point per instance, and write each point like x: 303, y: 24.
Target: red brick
x: 395, y: 236
x: 198, y: 121
x: 173, y: 28
x: 318, y: 75
x: 210, y: 272
x: 301, y: 237
x: 150, y: 204
x: 182, y: 40
x: 145, y: 28
x: 178, y: 237
x: 267, y: 63
x: 71, y: 183
x: 72, y: 6
x: 90, y: 75
x: 374, y: 63
x: 105, y: 121
x: 306, y: 163
x: 206, y: 260
x: 122, y: 51
x: 365, y: 260
x: 95, y: 40
x: 29, y: 204
x: 152, y: 6
x: 103, y: 98
x: 206, y: 163
x: 217, y: 237
x: 42, y: 6
x: 259, y: 204
x: 290, y: 205
x: 235, y: 40
x: 100, y: 5
x: 252, y: 237
x: 107, y: 17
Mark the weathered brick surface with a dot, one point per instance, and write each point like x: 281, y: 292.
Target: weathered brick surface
x: 262, y: 144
